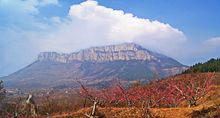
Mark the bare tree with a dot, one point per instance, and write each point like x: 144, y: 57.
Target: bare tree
x: 2, y: 95
x: 92, y: 97
x: 30, y: 105
x: 193, y: 90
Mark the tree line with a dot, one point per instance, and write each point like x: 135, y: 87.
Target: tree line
x: 213, y: 65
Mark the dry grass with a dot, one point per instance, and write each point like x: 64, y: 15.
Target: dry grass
x: 134, y: 113
x: 211, y: 101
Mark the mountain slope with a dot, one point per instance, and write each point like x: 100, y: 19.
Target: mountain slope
x: 95, y: 66
x: 212, y: 65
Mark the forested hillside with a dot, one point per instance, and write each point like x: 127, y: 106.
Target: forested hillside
x: 213, y: 65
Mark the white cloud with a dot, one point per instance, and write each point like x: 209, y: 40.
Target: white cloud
x: 91, y: 24
x: 23, y: 14
x: 210, y: 45
x: 25, y: 6
x: 202, y: 51
x: 213, y: 42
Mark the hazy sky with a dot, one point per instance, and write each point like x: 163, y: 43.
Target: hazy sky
x: 187, y: 30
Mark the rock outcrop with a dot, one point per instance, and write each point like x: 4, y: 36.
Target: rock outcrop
x: 127, y: 51
x: 97, y: 66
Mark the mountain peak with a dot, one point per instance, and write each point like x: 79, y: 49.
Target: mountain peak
x: 125, y: 51
x: 118, y: 47
x: 95, y: 66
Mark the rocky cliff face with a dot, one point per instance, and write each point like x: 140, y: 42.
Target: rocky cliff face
x: 127, y: 51
x: 97, y: 66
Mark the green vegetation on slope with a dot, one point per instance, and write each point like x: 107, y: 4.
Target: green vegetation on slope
x: 213, y: 65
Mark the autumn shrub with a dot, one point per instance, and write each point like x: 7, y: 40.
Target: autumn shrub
x: 160, y: 93
x: 53, y: 104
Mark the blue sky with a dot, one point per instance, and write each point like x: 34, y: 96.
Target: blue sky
x: 198, y: 19
x: 187, y: 30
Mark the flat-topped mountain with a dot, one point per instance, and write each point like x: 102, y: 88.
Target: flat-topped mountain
x: 122, y: 52
x: 95, y: 66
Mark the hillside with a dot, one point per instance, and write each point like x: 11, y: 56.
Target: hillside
x: 96, y: 66
x: 212, y: 65
x: 71, y: 103
x: 208, y: 106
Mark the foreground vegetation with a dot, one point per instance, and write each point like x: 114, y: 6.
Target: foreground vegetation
x: 208, y: 106
x: 187, y: 95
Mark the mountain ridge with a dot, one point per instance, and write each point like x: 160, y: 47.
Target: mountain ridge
x: 96, y: 66
x: 125, y: 51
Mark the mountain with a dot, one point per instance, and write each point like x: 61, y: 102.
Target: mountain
x: 96, y: 66
x: 212, y: 65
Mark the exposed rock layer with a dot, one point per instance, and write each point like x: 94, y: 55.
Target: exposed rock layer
x: 127, y: 51
x: 97, y: 66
